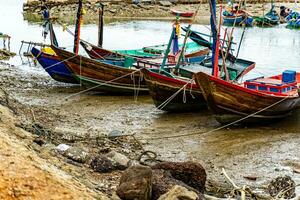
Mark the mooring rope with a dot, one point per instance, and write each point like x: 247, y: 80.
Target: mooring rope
x: 60, y: 62
x: 165, y: 103
x: 222, y: 127
x: 98, y: 85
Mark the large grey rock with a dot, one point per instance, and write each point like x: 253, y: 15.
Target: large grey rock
x: 179, y: 193
x: 136, y: 183
x: 120, y: 160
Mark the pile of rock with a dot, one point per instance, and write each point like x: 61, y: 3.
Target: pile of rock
x: 164, y: 181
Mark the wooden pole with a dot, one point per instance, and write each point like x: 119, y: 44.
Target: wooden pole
x: 100, y: 25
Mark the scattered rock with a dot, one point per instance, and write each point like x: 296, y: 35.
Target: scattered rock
x: 115, y: 133
x: 251, y: 178
x: 179, y: 193
x: 147, y: 7
x: 110, y: 162
x: 120, y: 159
x: 282, y: 187
x: 62, y: 148
x: 165, y: 3
x: 102, y: 164
x: 39, y: 141
x: 163, y: 182
x: 190, y: 173
x: 136, y: 183
x: 77, y: 154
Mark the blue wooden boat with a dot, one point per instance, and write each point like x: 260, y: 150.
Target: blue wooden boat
x: 53, y: 66
x: 271, y: 18
x: 238, y: 18
x: 293, y: 20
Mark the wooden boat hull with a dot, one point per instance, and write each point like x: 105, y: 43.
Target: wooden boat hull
x: 182, y: 13
x: 267, y: 20
x: 108, y: 78
x: 52, y: 65
x: 161, y: 88
x: 237, y: 19
x: 230, y: 102
x: 195, y: 53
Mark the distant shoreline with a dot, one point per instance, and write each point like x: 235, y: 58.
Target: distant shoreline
x: 66, y: 11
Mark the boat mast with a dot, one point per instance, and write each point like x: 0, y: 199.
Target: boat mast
x: 169, y: 46
x: 213, y: 25
x: 77, y: 27
x: 100, y: 24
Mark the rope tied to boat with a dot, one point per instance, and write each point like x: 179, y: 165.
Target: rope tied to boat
x: 102, y: 84
x: 184, y: 95
x: 222, y: 127
x: 167, y: 101
x: 60, y: 62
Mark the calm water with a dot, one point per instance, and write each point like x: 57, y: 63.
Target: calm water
x: 273, y: 49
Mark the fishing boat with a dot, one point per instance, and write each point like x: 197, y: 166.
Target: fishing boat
x: 237, y: 17
x: 118, y: 77
x: 194, y: 52
x: 182, y: 13
x: 271, y: 18
x: 260, y: 99
x: 293, y: 20
x: 257, y: 100
x: 172, y: 88
x: 53, y: 65
x: 163, y: 84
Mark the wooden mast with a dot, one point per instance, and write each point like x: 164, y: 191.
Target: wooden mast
x: 77, y: 27
x: 100, y: 25
x: 214, y: 31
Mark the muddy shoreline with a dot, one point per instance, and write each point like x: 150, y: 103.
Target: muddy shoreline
x: 66, y: 11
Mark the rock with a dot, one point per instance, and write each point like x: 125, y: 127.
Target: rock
x: 190, y: 173
x: 251, y: 178
x: 135, y: 6
x: 179, y: 193
x: 103, y: 164
x: 163, y: 182
x: 110, y: 162
x: 133, y: 163
x: 77, y: 154
x: 39, y: 141
x: 120, y: 159
x: 136, y: 183
x: 146, y: 7
x: 281, y: 184
x: 62, y: 148
x: 115, y: 133
x: 165, y: 3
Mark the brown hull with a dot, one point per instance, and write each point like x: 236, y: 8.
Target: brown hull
x: 198, y: 53
x: 231, y: 102
x: 109, y: 78
x: 161, y: 88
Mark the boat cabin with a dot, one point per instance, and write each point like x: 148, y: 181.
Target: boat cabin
x: 285, y: 83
